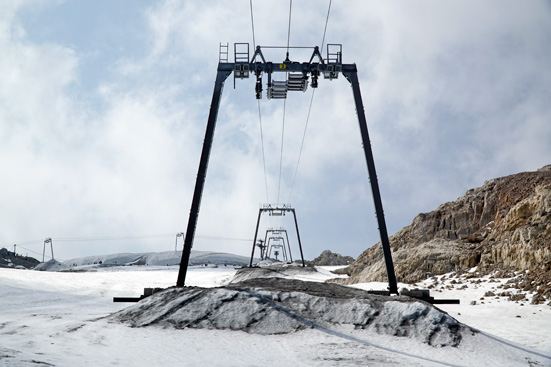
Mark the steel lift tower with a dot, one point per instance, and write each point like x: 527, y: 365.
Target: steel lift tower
x: 277, y: 210
x: 296, y: 77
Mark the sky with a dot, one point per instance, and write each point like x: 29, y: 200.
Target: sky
x: 103, y: 109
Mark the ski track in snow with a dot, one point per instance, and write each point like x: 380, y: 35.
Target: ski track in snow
x: 58, y: 319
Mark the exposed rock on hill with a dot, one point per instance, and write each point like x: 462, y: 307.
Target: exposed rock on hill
x: 10, y: 259
x: 328, y: 258
x: 504, y: 226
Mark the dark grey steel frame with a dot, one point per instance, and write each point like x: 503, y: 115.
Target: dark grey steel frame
x: 274, y: 232
x: 273, y: 246
x: 258, y: 67
x: 283, y: 209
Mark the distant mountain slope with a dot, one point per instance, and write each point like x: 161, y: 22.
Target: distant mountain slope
x: 161, y: 258
x: 10, y: 259
x: 505, y: 226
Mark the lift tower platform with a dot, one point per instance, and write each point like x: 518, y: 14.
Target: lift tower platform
x: 296, y: 77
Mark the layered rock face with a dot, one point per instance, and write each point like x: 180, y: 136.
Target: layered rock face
x: 504, y: 225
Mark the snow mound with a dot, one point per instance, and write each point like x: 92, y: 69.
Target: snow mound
x: 279, y: 306
x: 277, y: 270
x: 52, y: 265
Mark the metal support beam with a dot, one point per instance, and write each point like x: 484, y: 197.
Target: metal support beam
x: 224, y: 70
x: 298, y: 237
x: 255, y: 236
x: 289, y: 246
x: 47, y: 240
x: 352, y: 75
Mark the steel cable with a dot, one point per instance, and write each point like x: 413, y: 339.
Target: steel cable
x: 309, y: 108
x: 289, y: 28
x: 252, y: 24
x: 260, y: 113
x: 325, y: 29
x: 281, y: 153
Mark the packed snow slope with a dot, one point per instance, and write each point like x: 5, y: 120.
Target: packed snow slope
x: 63, y: 319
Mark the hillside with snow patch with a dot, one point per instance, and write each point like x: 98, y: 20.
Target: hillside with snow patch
x: 166, y: 258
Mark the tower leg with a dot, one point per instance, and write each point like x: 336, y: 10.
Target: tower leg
x: 298, y: 236
x: 254, y: 240
x: 352, y: 77
x: 289, y: 246
x: 221, y: 76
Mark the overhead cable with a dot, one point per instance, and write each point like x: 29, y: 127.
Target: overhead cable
x: 252, y: 24
x: 284, y: 105
x: 325, y: 29
x: 34, y: 252
x: 281, y: 152
x: 301, y: 145
x: 309, y: 109
x: 289, y: 28
x: 260, y: 114
x: 263, y: 154
x: 111, y: 238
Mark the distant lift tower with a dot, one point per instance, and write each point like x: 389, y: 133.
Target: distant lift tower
x: 276, y: 235
x: 296, y: 77
x: 47, y: 240
x: 274, y: 238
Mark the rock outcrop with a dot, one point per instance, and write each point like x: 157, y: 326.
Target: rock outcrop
x: 328, y: 258
x: 10, y: 260
x: 505, y: 226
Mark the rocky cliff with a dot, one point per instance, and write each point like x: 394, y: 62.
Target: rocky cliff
x: 504, y: 226
x: 330, y: 258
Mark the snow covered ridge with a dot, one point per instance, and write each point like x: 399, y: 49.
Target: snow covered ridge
x: 166, y: 258
x: 279, y: 306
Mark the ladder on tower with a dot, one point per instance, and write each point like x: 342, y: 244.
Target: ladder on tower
x: 241, y: 58
x: 334, y: 61
x: 223, y: 53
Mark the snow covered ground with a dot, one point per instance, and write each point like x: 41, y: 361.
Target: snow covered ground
x: 518, y: 322
x: 59, y: 319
